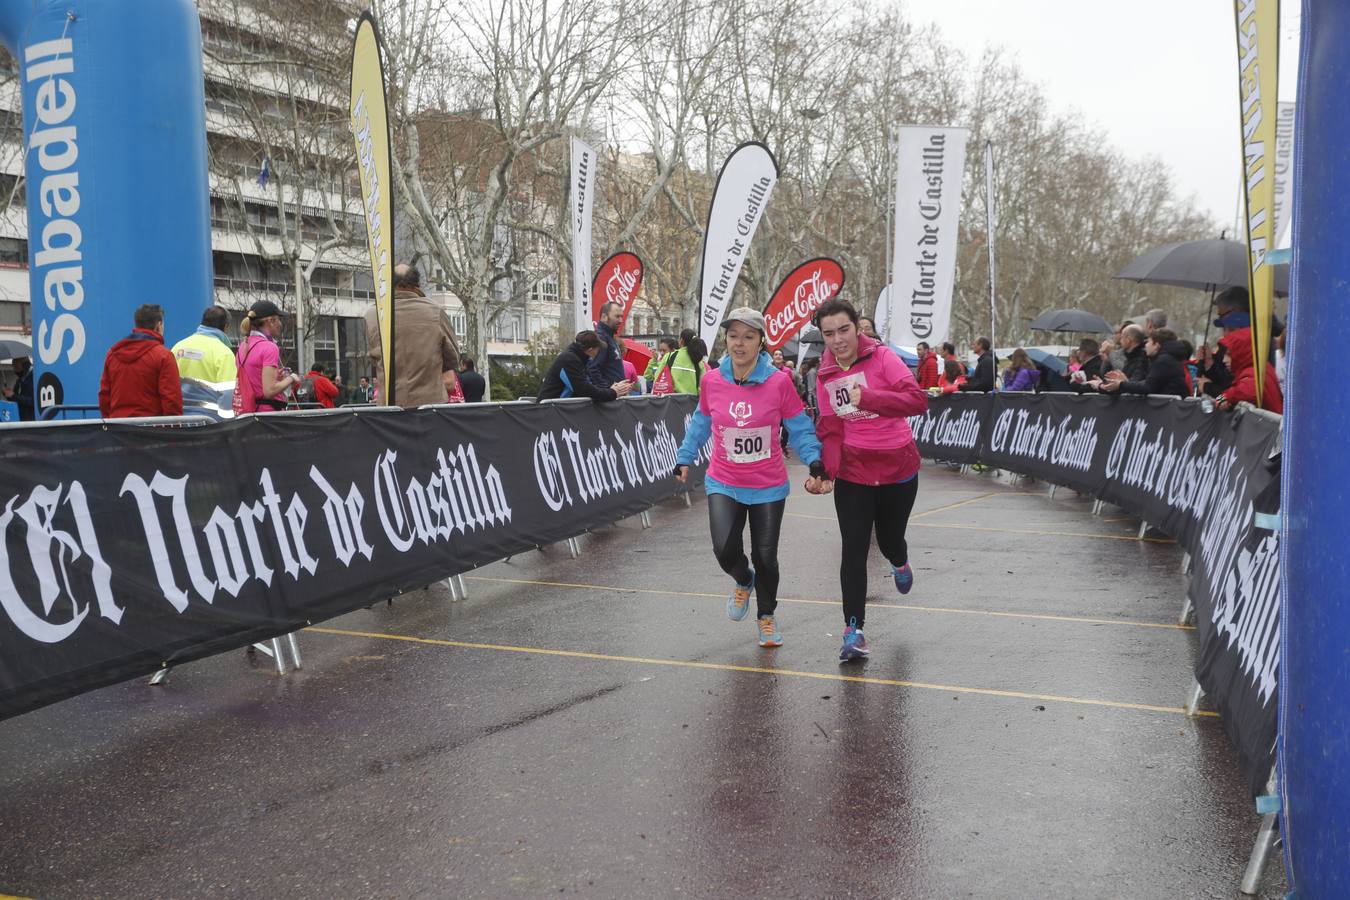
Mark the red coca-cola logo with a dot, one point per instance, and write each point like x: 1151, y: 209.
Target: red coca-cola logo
x: 802, y: 292
x: 616, y: 281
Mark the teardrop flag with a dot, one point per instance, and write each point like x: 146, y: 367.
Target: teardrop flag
x: 799, y: 295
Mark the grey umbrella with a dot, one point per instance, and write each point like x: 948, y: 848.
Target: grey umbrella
x: 1209, y: 265
x: 11, y: 348
x: 1071, y: 320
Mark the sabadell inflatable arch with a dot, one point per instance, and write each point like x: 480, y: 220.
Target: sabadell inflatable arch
x: 115, y: 160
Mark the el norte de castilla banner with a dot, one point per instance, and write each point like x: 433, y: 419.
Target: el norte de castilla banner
x: 742, y: 192
x: 930, y: 163
x: 127, y: 547
x: 1198, y: 475
x: 580, y: 202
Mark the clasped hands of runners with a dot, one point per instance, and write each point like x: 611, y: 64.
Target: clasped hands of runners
x: 818, y: 483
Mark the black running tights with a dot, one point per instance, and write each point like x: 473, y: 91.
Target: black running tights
x: 726, y: 520
x: 859, y: 507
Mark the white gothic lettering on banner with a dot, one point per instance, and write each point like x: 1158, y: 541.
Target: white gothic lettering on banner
x: 606, y: 466
x: 743, y: 188
x: 930, y: 163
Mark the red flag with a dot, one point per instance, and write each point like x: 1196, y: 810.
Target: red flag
x: 616, y: 281
x: 801, y: 293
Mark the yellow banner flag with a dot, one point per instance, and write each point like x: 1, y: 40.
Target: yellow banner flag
x: 370, y: 128
x: 1258, y: 49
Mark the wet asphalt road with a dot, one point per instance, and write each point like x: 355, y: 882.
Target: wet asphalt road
x: 598, y: 728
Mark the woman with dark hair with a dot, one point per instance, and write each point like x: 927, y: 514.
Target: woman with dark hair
x: 261, y: 382
x: 688, y: 365
x: 1021, y: 374
x: 952, y: 377
x: 568, y: 377
x: 743, y: 404
x: 665, y: 346
x: 866, y: 395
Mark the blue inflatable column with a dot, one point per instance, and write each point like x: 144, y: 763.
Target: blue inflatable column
x: 118, y: 199
x: 1315, y: 607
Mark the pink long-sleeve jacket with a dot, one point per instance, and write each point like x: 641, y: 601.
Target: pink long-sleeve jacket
x: 869, y: 443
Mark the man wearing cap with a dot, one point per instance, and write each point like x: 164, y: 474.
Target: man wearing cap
x: 426, y: 356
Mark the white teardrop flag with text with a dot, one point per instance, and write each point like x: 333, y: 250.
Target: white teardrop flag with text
x: 743, y: 188
x: 929, y: 165
x: 579, y: 210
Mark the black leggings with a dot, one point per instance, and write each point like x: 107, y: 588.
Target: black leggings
x: 858, y: 507
x: 726, y: 520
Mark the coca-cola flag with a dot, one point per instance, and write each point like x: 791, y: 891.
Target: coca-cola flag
x: 743, y: 188
x: 929, y: 164
x: 799, y: 295
x: 616, y: 281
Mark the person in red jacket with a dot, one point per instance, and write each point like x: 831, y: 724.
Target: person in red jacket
x: 1238, y: 343
x: 928, y: 366
x: 320, y: 389
x: 140, y: 374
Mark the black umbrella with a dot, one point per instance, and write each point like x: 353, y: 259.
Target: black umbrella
x: 1210, y: 265
x: 1071, y: 320
x: 14, y: 349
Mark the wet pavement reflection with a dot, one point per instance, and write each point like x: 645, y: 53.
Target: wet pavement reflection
x: 597, y: 727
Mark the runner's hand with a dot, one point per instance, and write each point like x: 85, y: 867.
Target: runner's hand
x: 855, y: 395
x: 681, y: 473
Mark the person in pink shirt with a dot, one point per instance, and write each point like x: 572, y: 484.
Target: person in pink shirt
x: 866, y: 395
x: 262, y: 381
x: 742, y: 405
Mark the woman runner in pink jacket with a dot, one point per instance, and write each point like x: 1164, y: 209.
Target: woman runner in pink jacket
x: 865, y: 395
x: 742, y: 405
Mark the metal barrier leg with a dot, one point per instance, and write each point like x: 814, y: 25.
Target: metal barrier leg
x: 573, y: 547
x: 463, y: 588
x: 1256, y: 865
x: 1186, y: 562
x: 1193, y: 698
x: 1053, y: 489
x: 1265, y: 838
x: 1187, y: 609
x: 453, y: 588
x: 1143, y: 530
x: 688, y: 500
x: 295, y: 649
x: 645, y: 518
x: 276, y: 655
x: 1096, y: 507
x: 160, y: 677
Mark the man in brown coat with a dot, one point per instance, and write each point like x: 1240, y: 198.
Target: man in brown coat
x: 426, y: 356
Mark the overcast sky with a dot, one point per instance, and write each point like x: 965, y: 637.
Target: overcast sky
x: 1160, y: 76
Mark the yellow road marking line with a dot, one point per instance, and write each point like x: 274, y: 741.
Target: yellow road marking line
x: 957, y: 504
x: 760, y: 670
x: 1079, y: 534
x: 1084, y: 620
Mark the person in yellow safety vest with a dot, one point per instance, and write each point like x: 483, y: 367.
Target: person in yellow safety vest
x: 688, y: 364
x: 206, y: 355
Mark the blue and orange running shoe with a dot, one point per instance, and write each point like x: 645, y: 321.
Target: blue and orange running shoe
x: 855, y: 645
x: 904, y: 578
x: 769, y: 636
x: 739, y: 602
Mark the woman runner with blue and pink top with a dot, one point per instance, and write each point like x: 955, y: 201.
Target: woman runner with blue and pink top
x: 742, y: 405
x: 866, y: 395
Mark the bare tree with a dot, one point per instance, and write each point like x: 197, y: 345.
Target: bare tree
x: 282, y: 163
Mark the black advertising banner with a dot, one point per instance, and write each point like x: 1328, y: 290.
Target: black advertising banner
x: 126, y: 547
x: 1199, y: 475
